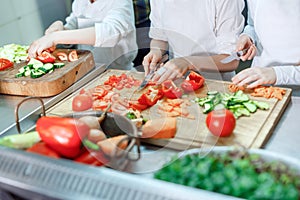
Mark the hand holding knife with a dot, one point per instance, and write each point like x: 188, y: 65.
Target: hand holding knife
x: 234, y: 56
x: 152, y: 72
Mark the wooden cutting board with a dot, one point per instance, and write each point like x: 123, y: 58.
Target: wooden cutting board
x: 49, y: 84
x: 250, y: 132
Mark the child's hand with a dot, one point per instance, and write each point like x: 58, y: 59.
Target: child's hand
x: 245, y: 42
x: 253, y: 77
x: 38, y: 46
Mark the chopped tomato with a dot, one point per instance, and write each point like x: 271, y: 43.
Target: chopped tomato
x: 99, y: 92
x: 46, y: 57
x: 100, y: 105
x: 73, y: 56
x: 82, y: 102
x: 220, y: 122
x: 43, y: 149
x: 62, y: 56
x: 5, y: 64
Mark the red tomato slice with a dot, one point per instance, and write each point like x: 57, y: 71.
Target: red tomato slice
x: 46, y: 57
x: 5, y: 63
x: 82, y: 102
x: 43, y: 149
x: 73, y: 56
x: 62, y: 56
x: 220, y: 122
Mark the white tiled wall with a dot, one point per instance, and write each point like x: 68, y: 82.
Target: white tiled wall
x: 23, y: 21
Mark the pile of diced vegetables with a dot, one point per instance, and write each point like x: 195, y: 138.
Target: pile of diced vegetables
x: 14, y: 52
x: 238, y: 103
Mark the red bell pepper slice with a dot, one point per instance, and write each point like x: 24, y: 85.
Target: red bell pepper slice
x: 62, y: 134
x: 43, y: 149
x: 151, y: 96
x: 170, y: 90
x: 193, y: 82
x: 95, y: 158
x: 135, y: 105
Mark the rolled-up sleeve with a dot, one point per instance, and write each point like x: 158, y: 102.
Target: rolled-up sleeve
x: 157, y: 28
x: 229, y: 24
x: 118, y: 23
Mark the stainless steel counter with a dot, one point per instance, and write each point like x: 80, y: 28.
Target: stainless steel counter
x: 284, y: 140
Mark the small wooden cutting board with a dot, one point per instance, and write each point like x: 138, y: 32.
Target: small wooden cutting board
x: 50, y: 84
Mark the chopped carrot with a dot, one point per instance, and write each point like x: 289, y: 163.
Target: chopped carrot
x: 261, y: 91
x: 159, y: 128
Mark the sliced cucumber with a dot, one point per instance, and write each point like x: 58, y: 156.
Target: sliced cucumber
x: 19, y: 75
x: 27, y: 72
x: 22, y: 70
x: 261, y: 105
x: 212, y: 92
x: 37, y: 65
x: 34, y: 61
x: 36, y: 74
x: 48, y: 66
x: 59, y: 65
x: 250, y: 106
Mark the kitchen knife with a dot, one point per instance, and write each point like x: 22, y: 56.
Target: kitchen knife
x: 234, y: 56
x: 151, y: 73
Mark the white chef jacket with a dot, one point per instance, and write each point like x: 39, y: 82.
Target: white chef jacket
x: 115, y: 30
x: 275, y: 27
x: 197, y: 27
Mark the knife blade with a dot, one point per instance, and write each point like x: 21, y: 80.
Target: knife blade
x: 234, y: 56
x: 151, y: 73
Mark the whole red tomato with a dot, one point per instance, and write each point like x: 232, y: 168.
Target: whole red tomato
x: 82, y: 102
x: 220, y: 122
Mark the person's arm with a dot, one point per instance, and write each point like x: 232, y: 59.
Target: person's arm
x: 77, y: 36
x: 287, y: 75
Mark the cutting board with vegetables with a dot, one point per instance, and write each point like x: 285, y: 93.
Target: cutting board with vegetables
x: 50, y: 83
x: 250, y: 132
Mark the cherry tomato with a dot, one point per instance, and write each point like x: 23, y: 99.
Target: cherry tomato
x: 43, y: 149
x: 46, y: 57
x: 73, y: 56
x: 5, y: 63
x: 62, y: 56
x: 82, y: 102
x: 220, y: 122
